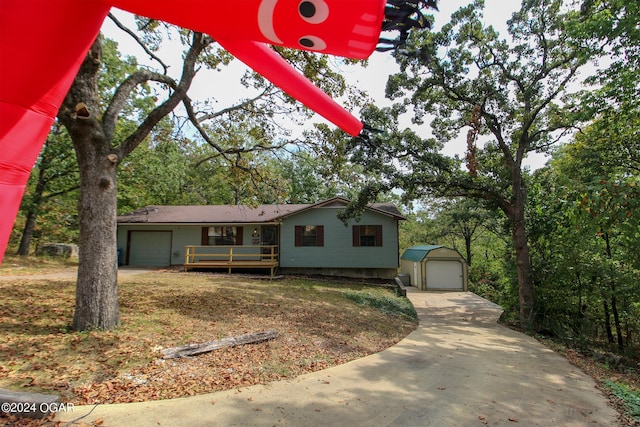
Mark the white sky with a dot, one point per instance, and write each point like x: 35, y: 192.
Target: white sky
x: 226, y: 87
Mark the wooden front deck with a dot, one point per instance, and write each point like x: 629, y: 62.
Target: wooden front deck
x: 230, y: 257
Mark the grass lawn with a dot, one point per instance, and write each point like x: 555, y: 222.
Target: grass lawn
x: 321, y: 324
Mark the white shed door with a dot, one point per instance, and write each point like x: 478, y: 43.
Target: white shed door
x: 150, y: 248
x: 444, y: 275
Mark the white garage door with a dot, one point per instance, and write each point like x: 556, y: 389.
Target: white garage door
x: 444, y: 275
x: 150, y: 248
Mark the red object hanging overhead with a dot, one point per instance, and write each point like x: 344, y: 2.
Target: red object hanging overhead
x: 43, y: 43
x: 349, y: 28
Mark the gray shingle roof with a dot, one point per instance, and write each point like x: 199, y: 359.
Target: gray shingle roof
x: 232, y: 213
x: 209, y: 214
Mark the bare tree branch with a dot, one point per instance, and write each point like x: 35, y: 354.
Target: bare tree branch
x: 186, y: 101
x: 269, y: 90
x: 140, y: 42
x: 123, y: 92
x: 199, y: 43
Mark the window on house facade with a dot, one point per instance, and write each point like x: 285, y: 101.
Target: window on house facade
x: 367, y: 235
x: 221, y: 236
x: 309, y: 235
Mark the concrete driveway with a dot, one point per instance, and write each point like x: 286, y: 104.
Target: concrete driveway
x: 458, y: 368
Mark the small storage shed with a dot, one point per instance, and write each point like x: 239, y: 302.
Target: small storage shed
x: 435, y: 268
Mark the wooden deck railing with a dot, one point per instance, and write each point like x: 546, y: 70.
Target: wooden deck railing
x: 231, y: 257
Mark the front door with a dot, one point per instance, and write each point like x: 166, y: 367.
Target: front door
x: 269, y: 237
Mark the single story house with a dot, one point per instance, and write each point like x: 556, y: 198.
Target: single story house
x: 435, y: 268
x: 289, y: 238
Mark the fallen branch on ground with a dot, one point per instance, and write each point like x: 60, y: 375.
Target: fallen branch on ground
x: 194, y: 349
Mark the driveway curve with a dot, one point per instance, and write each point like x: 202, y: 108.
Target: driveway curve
x: 458, y: 368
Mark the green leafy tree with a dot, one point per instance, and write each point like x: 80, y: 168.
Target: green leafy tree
x: 609, y: 209
x: 311, y: 176
x: 511, y: 94
x: 584, y: 232
x: 464, y: 219
x: 53, y: 177
x: 156, y: 172
x: 454, y: 222
x: 591, y: 261
x: 206, y: 182
x: 421, y: 228
x: 565, y: 277
x: 612, y: 28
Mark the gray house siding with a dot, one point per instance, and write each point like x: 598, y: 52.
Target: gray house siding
x: 183, y: 235
x: 338, y: 251
x: 372, y: 251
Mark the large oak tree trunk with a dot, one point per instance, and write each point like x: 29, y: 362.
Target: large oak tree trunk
x: 96, y: 286
x: 525, y: 282
x: 515, y: 211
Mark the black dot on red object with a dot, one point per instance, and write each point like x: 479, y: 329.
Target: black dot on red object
x: 307, y: 9
x: 306, y: 42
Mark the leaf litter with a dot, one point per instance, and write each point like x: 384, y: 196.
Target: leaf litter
x: 318, y: 328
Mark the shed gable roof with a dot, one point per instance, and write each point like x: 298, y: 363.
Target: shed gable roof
x: 221, y: 214
x: 417, y: 253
